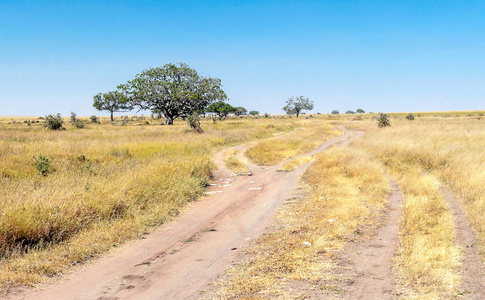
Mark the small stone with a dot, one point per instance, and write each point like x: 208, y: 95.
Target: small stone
x: 308, y: 244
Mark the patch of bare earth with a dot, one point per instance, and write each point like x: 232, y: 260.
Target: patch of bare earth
x: 183, y: 256
x: 365, y: 265
x: 472, y: 269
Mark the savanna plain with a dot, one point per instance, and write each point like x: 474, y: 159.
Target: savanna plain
x: 68, y: 197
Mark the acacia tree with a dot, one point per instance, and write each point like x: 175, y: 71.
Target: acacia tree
x: 297, y: 105
x: 241, y: 111
x: 174, y: 90
x: 115, y: 101
x: 222, y: 109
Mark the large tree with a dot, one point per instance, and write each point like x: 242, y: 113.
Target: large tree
x: 115, y: 101
x: 222, y: 109
x: 297, y: 105
x: 175, y: 90
x: 241, y: 111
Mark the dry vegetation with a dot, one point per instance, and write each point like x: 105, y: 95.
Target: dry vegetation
x: 347, y: 190
x: 307, y: 137
x: 110, y: 183
x: 113, y: 183
x: 421, y: 154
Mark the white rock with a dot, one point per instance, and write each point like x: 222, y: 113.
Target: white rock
x: 307, y: 244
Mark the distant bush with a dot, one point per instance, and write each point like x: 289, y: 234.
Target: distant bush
x: 383, y: 120
x: 43, y: 165
x: 351, y: 112
x: 335, y: 112
x: 410, y: 117
x: 53, y: 122
x: 76, y: 122
x: 254, y: 113
x: 95, y: 119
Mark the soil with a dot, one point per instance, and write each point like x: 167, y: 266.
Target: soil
x: 472, y: 269
x: 366, y: 265
x: 182, y: 257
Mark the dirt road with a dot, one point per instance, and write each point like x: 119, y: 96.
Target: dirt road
x: 183, y: 256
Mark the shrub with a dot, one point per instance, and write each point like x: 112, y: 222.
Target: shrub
x: 383, y: 120
x: 410, y: 117
x: 351, y: 112
x: 54, y: 122
x: 43, y: 165
x: 95, y: 119
x: 78, y: 123
x: 194, y: 123
x: 335, y: 112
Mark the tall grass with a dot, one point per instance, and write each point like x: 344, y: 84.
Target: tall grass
x: 111, y: 183
x: 422, y: 154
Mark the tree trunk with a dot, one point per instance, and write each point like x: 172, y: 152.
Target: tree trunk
x: 111, y: 116
x: 297, y: 113
x: 168, y: 120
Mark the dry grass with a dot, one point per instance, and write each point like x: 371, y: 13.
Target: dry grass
x: 348, y: 191
x: 111, y: 183
x: 295, y: 163
x: 311, y: 134
x: 236, y: 162
x: 420, y: 153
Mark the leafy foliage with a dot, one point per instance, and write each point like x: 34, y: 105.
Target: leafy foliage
x: 335, y: 112
x: 174, y: 90
x: 43, y: 165
x: 297, y: 105
x: 54, y: 122
x: 360, y: 111
x: 350, y: 112
x: 241, y: 111
x: 254, y: 113
x: 194, y: 122
x: 383, y: 120
x: 76, y: 122
x: 115, y: 101
x: 95, y: 119
x: 222, y: 109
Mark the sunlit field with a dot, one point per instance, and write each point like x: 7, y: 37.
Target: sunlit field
x: 105, y: 184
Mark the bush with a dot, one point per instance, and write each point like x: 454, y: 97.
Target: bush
x: 410, y: 117
x: 383, y: 120
x: 95, y: 119
x: 43, y: 165
x: 351, y: 112
x: 335, y: 112
x: 194, y: 123
x: 54, y: 122
x: 78, y: 123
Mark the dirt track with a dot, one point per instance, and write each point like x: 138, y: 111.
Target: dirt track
x: 180, y: 258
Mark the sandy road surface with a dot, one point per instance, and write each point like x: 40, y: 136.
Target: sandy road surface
x: 182, y: 257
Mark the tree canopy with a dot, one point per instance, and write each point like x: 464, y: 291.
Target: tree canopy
x: 241, y: 111
x: 115, y: 101
x: 175, y: 90
x: 221, y: 108
x: 297, y: 105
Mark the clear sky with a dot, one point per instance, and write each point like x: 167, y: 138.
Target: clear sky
x: 376, y: 55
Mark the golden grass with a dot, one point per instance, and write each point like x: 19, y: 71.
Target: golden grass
x: 309, y: 135
x: 235, y: 161
x: 419, y: 153
x: 111, y: 183
x: 348, y: 191
x: 295, y: 163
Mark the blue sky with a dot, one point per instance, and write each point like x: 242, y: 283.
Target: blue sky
x: 386, y: 56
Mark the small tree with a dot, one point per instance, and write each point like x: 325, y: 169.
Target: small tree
x: 53, y: 122
x: 241, y: 111
x: 222, y: 109
x: 351, y: 112
x: 298, y: 104
x: 194, y: 122
x: 383, y: 120
x: 360, y: 111
x: 335, y: 112
x: 254, y: 113
x: 115, y: 101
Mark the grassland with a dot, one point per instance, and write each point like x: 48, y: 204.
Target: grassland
x: 110, y: 184
x: 114, y: 183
